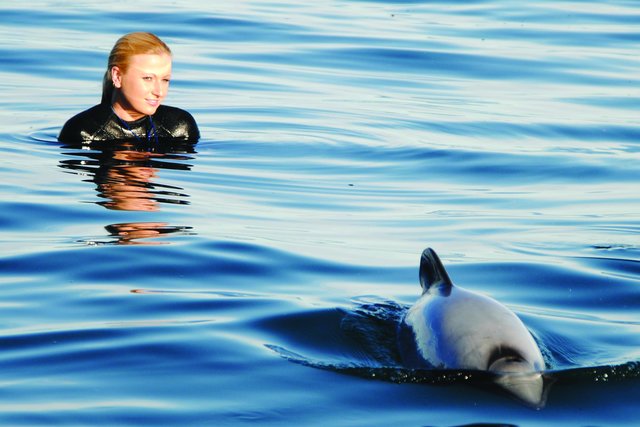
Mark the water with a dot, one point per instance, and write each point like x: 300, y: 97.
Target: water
x: 257, y: 277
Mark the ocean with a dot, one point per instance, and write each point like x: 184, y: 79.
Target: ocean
x: 258, y: 277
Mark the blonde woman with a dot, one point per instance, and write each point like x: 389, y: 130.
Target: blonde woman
x: 134, y: 86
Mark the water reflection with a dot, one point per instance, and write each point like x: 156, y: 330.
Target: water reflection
x: 126, y: 176
x: 130, y: 233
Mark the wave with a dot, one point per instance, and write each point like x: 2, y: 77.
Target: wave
x: 362, y: 342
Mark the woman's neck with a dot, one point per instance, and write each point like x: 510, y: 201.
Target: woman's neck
x: 124, y: 113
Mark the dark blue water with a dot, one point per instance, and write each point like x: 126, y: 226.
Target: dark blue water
x: 258, y: 277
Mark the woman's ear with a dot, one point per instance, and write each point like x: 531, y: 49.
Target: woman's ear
x: 116, y: 76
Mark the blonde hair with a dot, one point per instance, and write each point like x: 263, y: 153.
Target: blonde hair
x: 127, y: 46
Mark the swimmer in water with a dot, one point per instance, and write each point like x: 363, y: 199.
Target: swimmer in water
x: 134, y: 86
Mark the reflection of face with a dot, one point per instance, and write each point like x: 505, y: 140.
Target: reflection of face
x: 142, y: 87
x: 125, y: 175
x: 127, y: 185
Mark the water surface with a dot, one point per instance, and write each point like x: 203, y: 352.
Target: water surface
x: 258, y: 276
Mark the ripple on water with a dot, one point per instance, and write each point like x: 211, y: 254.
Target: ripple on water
x: 339, y: 139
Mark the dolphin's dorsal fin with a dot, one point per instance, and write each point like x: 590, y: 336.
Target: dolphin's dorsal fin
x: 432, y: 273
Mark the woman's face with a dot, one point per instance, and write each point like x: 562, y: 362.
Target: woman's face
x: 142, y: 87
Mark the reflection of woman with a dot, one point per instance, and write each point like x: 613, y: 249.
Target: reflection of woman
x: 131, y: 233
x: 124, y: 173
x: 127, y: 185
x: 135, y: 84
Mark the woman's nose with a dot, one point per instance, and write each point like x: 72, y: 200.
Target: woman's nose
x: 158, y: 89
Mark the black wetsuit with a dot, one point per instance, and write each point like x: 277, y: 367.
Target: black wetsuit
x: 100, y: 123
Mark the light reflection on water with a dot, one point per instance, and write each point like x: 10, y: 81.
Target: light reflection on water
x: 147, y: 285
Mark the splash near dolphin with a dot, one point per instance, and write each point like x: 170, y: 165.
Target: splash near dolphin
x: 453, y: 328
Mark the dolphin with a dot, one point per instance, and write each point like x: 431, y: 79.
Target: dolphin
x: 453, y: 328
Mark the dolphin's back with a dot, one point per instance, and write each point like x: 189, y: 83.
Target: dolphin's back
x: 453, y: 328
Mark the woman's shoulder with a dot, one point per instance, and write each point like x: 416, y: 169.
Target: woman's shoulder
x: 176, y: 122
x: 169, y: 113
x: 85, y: 125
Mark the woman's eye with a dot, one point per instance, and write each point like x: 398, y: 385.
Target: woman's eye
x: 146, y: 78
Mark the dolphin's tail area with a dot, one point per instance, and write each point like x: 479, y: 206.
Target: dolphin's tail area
x: 432, y: 272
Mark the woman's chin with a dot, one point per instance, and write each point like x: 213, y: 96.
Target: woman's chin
x: 149, y: 110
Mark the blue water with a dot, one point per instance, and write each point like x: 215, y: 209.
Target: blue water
x: 256, y: 278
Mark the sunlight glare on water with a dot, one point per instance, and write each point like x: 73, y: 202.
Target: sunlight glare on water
x: 259, y: 277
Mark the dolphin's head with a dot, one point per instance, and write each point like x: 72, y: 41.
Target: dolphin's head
x: 520, y: 378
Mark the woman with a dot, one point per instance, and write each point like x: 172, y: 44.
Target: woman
x: 134, y: 86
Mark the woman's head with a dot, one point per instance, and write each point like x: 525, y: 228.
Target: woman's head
x: 138, y: 73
